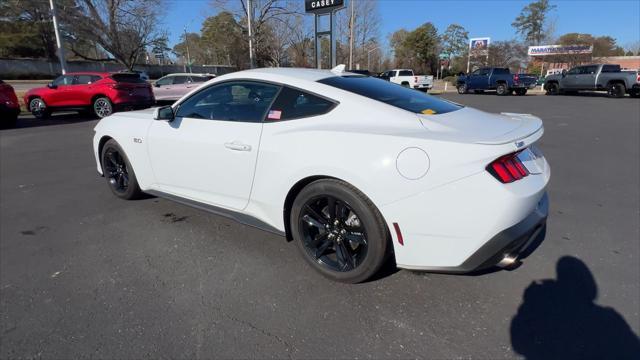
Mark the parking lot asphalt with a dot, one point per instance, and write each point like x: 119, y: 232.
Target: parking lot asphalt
x: 84, y: 274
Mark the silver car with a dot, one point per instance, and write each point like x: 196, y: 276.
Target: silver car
x: 174, y: 86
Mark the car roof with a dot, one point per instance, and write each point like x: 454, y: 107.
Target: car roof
x: 294, y: 73
x: 103, y: 74
x: 189, y: 74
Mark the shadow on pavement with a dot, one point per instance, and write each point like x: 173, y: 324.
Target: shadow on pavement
x: 558, y: 319
x: 28, y: 121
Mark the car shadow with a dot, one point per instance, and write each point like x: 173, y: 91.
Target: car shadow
x: 26, y: 120
x: 558, y: 319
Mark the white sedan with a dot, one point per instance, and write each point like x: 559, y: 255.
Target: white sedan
x: 351, y: 168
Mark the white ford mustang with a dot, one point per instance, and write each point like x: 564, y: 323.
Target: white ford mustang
x: 353, y: 169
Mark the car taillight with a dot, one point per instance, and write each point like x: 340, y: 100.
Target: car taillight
x: 638, y: 78
x: 516, y: 77
x: 508, y: 168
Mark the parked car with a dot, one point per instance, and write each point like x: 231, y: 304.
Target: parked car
x: 175, y: 86
x: 361, y: 72
x: 406, y: 78
x: 499, y: 79
x: 598, y: 77
x: 9, y: 106
x: 143, y: 74
x: 352, y: 168
x: 98, y: 93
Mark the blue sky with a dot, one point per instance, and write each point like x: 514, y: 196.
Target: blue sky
x: 492, y: 18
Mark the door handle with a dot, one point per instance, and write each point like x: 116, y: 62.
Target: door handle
x: 237, y: 146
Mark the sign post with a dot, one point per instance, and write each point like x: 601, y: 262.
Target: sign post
x: 322, y: 8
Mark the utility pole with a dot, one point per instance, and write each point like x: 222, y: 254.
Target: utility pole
x: 249, y: 16
x: 63, y: 63
x: 351, y: 23
x: 369, y: 57
x: 186, y: 40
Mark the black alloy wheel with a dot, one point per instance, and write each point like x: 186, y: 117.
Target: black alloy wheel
x: 333, y: 234
x: 616, y: 90
x: 339, y: 231
x: 118, y: 172
x: 553, y: 89
x: 462, y: 89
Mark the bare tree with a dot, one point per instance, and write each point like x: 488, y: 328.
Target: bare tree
x: 123, y: 28
x: 267, y: 14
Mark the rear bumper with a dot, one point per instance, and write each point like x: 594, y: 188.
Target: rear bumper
x: 134, y: 105
x: 423, y: 86
x: 507, y: 246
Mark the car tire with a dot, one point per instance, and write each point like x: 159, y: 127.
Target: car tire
x: 502, y: 90
x: 553, y: 89
x: 616, y: 90
x: 462, y: 89
x: 118, y: 171
x: 635, y: 93
x: 102, y: 107
x: 521, y: 92
x: 349, y: 244
x: 39, y: 108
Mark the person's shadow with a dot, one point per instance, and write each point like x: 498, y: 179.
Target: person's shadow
x: 558, y: 319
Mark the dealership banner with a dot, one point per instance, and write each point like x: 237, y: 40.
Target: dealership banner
x: 544, y: 50
x: 479, y: 46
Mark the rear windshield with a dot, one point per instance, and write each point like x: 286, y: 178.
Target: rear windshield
x: 501, y: 71
x: 128, y: 78
x: 405, y: 73
x: 392, y: 94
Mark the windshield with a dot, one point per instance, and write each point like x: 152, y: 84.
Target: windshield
x: 128, y: 78
x: 392, y: 94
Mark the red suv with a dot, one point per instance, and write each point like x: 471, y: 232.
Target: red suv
x: 100, y: 93
x: 9, y: 106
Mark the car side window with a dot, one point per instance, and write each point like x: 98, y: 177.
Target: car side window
x: 589, y: 70
x: 295, y: 104
x: 85, y: 79
x: 484, y: 72
x: 63, y: 80
x: 181, y: 80
x: 244, y: 101
x: 575, y: 71
x: 476, y: 72
x: 165, y: 81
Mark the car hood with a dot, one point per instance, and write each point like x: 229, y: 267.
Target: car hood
x: 474, y: 126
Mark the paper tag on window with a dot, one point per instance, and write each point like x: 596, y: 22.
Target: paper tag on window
x: 274, y: 114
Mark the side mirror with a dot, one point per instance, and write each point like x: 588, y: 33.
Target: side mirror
x: 52, y: 86
x: 164, y: 113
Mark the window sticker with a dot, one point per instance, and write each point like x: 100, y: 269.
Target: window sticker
x: 274, y: 115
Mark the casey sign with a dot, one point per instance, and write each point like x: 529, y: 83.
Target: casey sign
x: 319, y: 6
x: 559, y: 50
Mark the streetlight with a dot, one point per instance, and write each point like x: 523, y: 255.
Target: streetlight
x: 369, y: 57
x: 63, y: 63
x: 186, y: 40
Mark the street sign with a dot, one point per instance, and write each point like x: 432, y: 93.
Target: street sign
x: 479, y: 46
x: 544, y: 50
x: 322, y: 6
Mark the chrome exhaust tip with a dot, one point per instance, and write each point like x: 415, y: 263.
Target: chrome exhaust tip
x: 508, y: 261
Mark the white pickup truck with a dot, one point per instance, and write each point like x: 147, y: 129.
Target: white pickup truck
x: 405, y: 77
